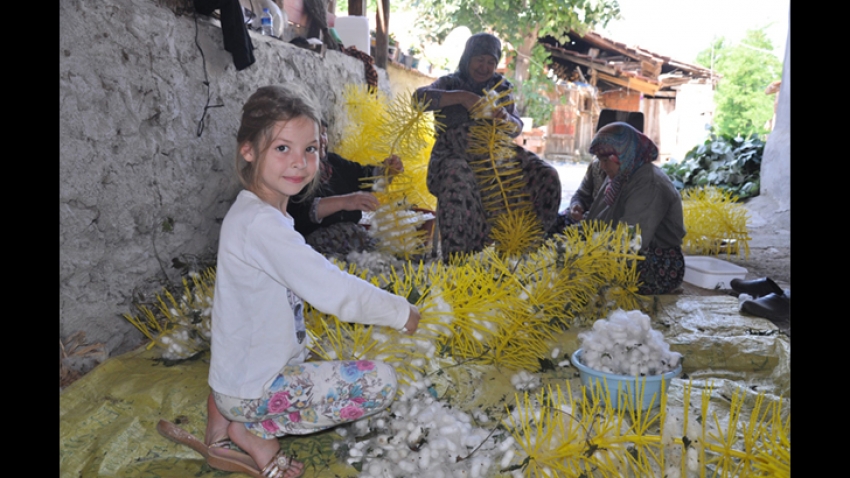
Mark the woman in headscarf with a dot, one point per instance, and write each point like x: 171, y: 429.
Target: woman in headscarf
x: 464, y: 224
x: 639, y: 194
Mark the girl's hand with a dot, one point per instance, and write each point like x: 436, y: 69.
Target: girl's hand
x: 412, y: 321
x: 393, y: 165
x: 360, y: 201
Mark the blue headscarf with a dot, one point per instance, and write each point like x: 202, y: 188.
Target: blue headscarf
x: 633, y: 148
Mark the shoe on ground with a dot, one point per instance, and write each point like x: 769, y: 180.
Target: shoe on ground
x: 773, y: 307
x: 756, y: 287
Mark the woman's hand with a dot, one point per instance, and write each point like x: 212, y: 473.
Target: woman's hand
x: 412, y: 321
x: 500, y: 113
x: 467, y: 99
x: 577, y: 212
x: 359, y: 201
x: 393, y: 165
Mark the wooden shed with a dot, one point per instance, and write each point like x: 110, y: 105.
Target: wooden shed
x: 597, y: 73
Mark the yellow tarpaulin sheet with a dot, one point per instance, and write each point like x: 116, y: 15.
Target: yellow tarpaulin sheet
x: 108, y: 418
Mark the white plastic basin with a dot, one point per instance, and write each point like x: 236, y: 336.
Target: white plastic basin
x: 711, y: 272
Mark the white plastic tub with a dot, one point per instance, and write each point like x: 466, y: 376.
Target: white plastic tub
x: 711, y: 273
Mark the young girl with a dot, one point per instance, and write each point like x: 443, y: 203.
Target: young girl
x: 261, y: 385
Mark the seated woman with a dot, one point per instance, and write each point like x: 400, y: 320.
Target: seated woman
x: 639, y: 194
x: 464, y: 224
x: 330, y: 219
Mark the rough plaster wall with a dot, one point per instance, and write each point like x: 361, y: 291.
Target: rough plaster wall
x: 138, y: 187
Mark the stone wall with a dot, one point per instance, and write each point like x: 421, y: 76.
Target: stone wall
x: 139, y: 185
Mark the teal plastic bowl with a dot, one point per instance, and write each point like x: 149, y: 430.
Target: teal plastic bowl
x: 625, y: 386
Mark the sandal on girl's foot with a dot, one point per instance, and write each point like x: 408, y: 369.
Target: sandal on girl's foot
x: 276, y: 468
x: 228, y: 460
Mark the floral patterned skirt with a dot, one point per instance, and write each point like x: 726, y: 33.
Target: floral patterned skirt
x: 313, y: 396
x: 661, y: 271
x: 464, y: 224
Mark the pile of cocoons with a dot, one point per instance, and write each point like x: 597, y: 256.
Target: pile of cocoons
x: 375, y: 263
x: 396, y: 227
x: 420, y: 436
x: 625, y: 344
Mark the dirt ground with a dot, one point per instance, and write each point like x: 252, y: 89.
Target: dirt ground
x: 773, y: 262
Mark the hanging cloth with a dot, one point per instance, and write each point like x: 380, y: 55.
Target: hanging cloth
x: 236, y: 38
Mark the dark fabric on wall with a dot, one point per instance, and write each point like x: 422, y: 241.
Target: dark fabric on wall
x: 236, y: 38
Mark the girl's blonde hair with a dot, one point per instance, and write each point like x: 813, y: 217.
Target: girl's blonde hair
x: 267, y: 106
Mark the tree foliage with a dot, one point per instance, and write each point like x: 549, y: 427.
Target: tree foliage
x: 741, y: 106
x: 519, y: 23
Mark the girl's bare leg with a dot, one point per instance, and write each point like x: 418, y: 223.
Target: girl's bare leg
x: 261, y: 450
x: 216, y: 423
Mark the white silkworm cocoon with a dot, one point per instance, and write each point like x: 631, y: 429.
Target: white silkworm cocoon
x: 672, y: 472
x: 374, y: 468
x: 469, y: 441
x: 449, y: 430
x: 475, y: 470
x: 506, y: 459
x: 693, y: 459
x: 565, y: 363
x: 506, y: 445
x: 451, y: 446
x: 424, y: 460
x: 355, y: 452
x: 425, y: 416
x: 555, y: 352
x: 407, y: 466
x: 341, y: 431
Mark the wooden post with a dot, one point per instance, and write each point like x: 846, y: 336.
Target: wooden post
x: 382, y: 41
x: 357, y: 7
